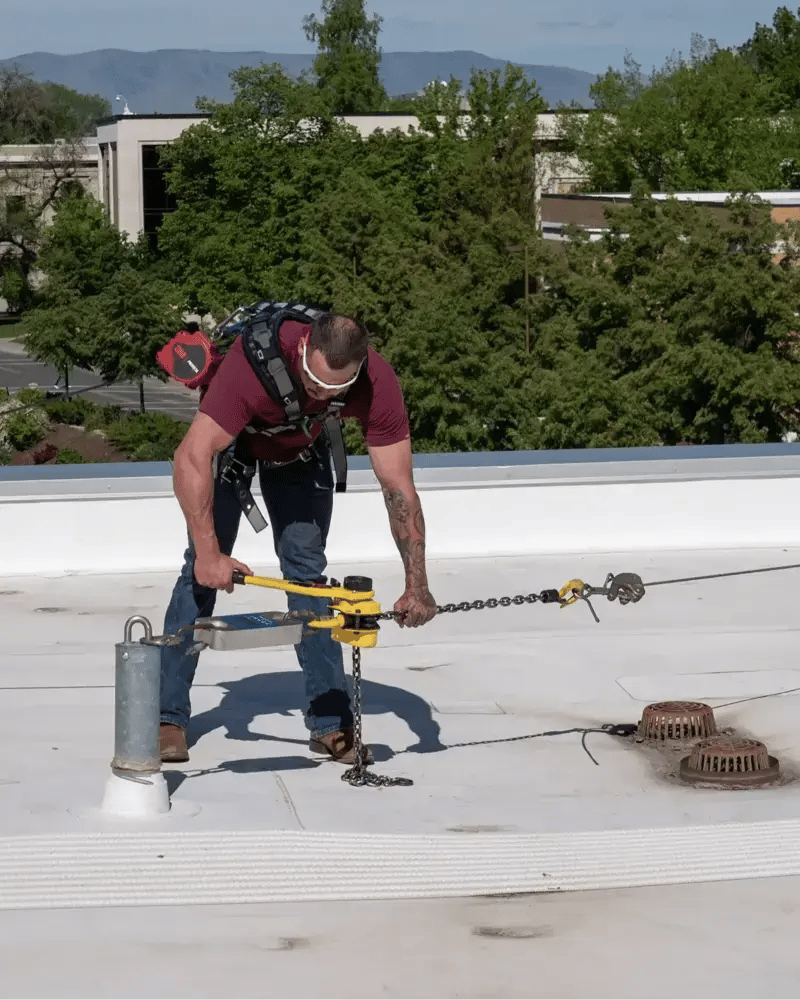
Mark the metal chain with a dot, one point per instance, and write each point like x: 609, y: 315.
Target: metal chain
x: 358, y: 773
x: 544, y: 597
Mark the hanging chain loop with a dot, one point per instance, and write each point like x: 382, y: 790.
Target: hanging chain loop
x: 358, y: 774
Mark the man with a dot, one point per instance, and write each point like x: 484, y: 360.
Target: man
x: 327, y: 360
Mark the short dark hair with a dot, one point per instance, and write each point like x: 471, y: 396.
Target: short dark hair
x: 342, y: 339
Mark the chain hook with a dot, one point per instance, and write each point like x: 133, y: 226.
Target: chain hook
x: 571, y: 592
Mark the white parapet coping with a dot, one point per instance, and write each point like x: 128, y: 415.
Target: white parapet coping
x: 124, y: 518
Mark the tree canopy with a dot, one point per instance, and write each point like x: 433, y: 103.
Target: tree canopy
x: 33, y: 112
x: 710, y: 122
x: 348, y: 57
x: 773, y: 52
x: 54, y: 118
x: 678, y: 326
x: 102, y: 305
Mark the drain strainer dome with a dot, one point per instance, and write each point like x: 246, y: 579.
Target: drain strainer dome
x: 730, y: 761
x: 677, y: 720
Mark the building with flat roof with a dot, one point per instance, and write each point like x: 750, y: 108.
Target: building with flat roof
x: 587, y: 209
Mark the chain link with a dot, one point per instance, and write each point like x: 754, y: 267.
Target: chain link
x: 543, y: 597
x: 358, y: 773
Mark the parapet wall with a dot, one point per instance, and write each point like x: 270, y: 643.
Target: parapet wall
x: 124, y: 518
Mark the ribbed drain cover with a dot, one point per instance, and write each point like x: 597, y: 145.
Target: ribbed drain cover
x: 730, y: 761
x: 677, y: 720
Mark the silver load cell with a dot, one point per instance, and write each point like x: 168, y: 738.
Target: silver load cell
x: 248, y: 631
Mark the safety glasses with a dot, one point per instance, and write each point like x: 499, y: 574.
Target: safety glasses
x: 325, y: 385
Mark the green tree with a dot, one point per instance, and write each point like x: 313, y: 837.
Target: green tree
x: 80, y: 254
x: 73, y: 113
x: 348, y: 57
x: 243, y: 181
x: 678, y: 326
x: 100, y: 307
x: 135, y: 316
x: 59, y: 329
x: 706, y: 123
x: 82, y: 249
x: 41, y: 113
x: 774, y: 53
x: 54, y: 118
x: 423, y: 236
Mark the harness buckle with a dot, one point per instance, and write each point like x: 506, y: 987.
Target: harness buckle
x: 233, y: 469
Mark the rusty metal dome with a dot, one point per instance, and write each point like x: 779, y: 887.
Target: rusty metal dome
x: 730, y: 760
x: 677, y: 720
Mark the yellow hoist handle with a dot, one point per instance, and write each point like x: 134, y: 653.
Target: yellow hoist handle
x: 347, y: 604
x: 300, y: 588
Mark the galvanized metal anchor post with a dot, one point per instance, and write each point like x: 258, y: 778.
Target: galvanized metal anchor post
x: 136, y: 787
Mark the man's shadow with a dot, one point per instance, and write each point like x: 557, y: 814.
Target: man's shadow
x: 284, y: 692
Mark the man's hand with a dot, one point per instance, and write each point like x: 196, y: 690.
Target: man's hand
x: 415, y: 607
x: 216, y: 572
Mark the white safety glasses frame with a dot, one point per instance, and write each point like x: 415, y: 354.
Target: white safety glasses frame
x: 325, y: 385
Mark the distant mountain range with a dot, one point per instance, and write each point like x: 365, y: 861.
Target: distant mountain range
x: 169, y: 81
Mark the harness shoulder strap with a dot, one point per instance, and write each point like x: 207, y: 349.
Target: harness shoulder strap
x: 333, y: 430
x: 261, y: 344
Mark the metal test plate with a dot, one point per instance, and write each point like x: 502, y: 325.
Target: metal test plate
x: 249, y: 631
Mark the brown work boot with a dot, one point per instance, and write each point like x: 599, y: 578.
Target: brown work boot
x: 338, y: 745
x: 173, y: 744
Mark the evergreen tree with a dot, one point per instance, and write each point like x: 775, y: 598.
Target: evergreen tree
x: 348, y: 57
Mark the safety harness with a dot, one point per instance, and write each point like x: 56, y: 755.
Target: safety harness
x: 258, y: 326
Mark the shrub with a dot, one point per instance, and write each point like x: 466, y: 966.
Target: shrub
x: 21, y: 431
x: 67, y: 456
x: 147, y: 437
x: 83, y: 412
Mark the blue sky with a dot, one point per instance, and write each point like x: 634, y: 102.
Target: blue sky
x: 583, y: 34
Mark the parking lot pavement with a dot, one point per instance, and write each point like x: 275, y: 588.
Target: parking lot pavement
x: 17, y: 370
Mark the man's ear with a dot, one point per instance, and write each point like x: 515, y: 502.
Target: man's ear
x: 301, y: 343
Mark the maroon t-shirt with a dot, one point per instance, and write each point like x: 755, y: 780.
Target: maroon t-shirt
x: 236, y: 398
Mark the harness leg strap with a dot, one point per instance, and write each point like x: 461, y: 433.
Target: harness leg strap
x: 239, y: 474
x: 248, y: 505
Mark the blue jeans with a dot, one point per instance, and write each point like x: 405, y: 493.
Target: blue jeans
x: 299, y: 502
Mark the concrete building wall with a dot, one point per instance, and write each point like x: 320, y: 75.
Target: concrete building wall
x: 121, y: 180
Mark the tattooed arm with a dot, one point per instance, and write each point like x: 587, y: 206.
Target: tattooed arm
x: 393, y: 467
